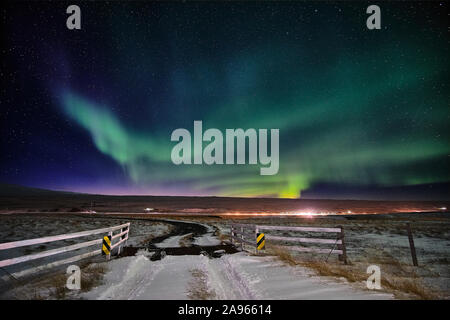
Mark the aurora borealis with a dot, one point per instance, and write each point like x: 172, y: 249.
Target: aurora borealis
x: 92, y: 110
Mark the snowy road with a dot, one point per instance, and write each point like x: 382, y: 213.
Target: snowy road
x: 236, y: 276
x: 232, y: 276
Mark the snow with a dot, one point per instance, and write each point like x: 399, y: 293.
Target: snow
x: 267, y: 278
x: 207, y: 239
x: 139, y: 278
x: 20, y: 227
x: 171, y: 242
x: 237, y: 276
x: 140, y: 232
x: 234, y: 276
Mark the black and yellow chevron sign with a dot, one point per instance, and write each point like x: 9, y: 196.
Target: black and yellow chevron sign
x: 260, y: 241
x: 106, y: 247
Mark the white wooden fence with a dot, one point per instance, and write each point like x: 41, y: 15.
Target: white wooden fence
x: 247, y: 233
x: 121, y: 236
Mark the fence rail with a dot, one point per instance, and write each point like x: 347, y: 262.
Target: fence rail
x: 247, y: 234
x: 122, y: 235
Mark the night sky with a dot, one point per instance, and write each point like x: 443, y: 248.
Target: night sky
x: 362, y: 113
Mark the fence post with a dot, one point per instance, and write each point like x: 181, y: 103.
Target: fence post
x: 231, y: 233
x: 128, y: 234
x: 256, y: 237
x: 343, y: 256
x: 108, y: 256
x: 411, y: 245
x: 242, y: 238
x: 121, y: 238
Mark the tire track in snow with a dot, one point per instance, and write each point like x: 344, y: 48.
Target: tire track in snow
x: 238, y: 281
x: 137, y: 277
x: 226, y: 281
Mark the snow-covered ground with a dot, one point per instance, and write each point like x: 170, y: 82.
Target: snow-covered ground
x: 237, y: 276
x: 232, y: 276
x: 207, y: 239
x: 245, y: 276
x: 21, y: 227
x: 171, y: 242
x: 383, y: 241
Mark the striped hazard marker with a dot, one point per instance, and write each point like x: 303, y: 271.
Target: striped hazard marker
x: 106, y: 247
x: 260, y: 241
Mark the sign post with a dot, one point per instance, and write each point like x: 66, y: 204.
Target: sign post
x: 260, y: 241
x: 106, y: 246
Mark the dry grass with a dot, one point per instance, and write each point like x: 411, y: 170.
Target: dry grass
x: 53, y: 286
x: 48, y: 287
x: 411, y: 286
x: 57, y: 284
x: 198, y: 286
x: 91, y: 276
x: 283, y: 255
x: 149, y: 237
x: 222, y: 237
x: 396, y: 278
x: 186, y: 240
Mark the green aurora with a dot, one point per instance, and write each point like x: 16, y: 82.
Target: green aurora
x: 354, y: 107
x: 344, y: 125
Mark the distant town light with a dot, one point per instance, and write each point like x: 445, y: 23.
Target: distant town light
x: 148, y: 209
x: 443, y: 208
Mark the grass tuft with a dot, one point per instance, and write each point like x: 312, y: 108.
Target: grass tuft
x: 396, y: 278
x: 198, y: 287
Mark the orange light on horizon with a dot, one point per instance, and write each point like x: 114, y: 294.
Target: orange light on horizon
x: 302, y: 214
